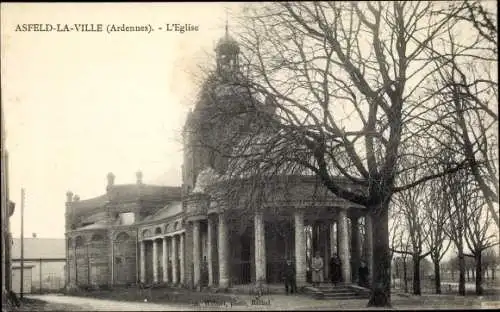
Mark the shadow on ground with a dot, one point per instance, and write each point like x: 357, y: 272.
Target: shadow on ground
x: 30, y: 304
x: 162, y: 295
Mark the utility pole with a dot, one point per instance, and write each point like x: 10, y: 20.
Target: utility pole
x: 22, y: 243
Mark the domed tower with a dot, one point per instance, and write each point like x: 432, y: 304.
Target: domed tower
x: 219, y: 114
x: 227, y: 54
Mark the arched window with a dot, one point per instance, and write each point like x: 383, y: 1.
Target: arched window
x: 158, y: 230
x: 146, y: 233
x: 122, y: 236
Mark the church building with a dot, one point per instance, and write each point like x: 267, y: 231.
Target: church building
x: 202, y: 234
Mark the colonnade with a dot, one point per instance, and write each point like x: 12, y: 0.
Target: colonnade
x: 172, y: 244
x: 344, y: 247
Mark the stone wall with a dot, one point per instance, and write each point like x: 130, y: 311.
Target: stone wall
x: 98, y: 259
x: 124, y: 257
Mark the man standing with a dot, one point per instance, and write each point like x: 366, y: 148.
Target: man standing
x: 289, y: 273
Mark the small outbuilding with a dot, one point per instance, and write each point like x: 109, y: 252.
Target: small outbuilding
x: 27, y: 279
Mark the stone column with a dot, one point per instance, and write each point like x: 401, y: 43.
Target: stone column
x: 300, y: 249
x: 355, y: 247
x: 196, y: 252
x: 209, y: 251
x: 260, y: 249
x: 326, y: 258
x: 155, y: 262
x: 344, y: 244
x: 369, y: 245
x: 143, y: 261
x: 333, y: 238
x: 165, y: 260
x: 223, y: 252
x: 174, y: 259
x: 181, y: 254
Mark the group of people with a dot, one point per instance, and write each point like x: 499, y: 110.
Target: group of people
x: 317, y: 265
x: 335, y: 267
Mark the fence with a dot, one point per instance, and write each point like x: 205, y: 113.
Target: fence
x: 47, y: 275
x: 449, y: 282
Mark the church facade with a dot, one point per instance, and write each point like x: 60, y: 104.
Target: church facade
x: 201, y: 233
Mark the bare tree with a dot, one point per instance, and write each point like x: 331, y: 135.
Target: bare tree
x: 490, y: 261
x: 436, y: 242
x: 344, y: 87
x: 458, y: 196
x: 400, y: 246
x: 478, y: 236
x: 475, y: 13
x: 468, y: 88
x: 411, y: 206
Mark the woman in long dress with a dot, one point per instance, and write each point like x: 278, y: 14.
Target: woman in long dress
x: 317, y: 269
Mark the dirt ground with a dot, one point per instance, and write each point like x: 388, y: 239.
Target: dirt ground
x: 274, y: 303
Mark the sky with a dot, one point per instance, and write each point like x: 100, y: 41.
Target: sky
x: 80, y: 105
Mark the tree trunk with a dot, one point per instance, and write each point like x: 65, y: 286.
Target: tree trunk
x: 461, y: 277
x: 453, y: 274
x: 381, y: 286
x: 437, y: 276
x: 405, y: 274
x: 493, y: 273
x: 416, y: 275
x: 479, y: 274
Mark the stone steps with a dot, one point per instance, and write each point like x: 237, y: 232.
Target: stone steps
x: 341, y: 292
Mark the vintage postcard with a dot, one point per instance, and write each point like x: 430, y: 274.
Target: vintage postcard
x: 249, y: 156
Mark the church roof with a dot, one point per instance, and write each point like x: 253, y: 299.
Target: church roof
x: 36, y: 248
x: 95, y: 217
x: 126, y: 193
x: 102, y: 224
x: 171, y: 209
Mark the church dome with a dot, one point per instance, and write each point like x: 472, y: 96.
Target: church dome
x: 227, y: 45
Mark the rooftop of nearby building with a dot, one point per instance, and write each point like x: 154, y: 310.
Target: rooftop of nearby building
x: 36, y: 248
